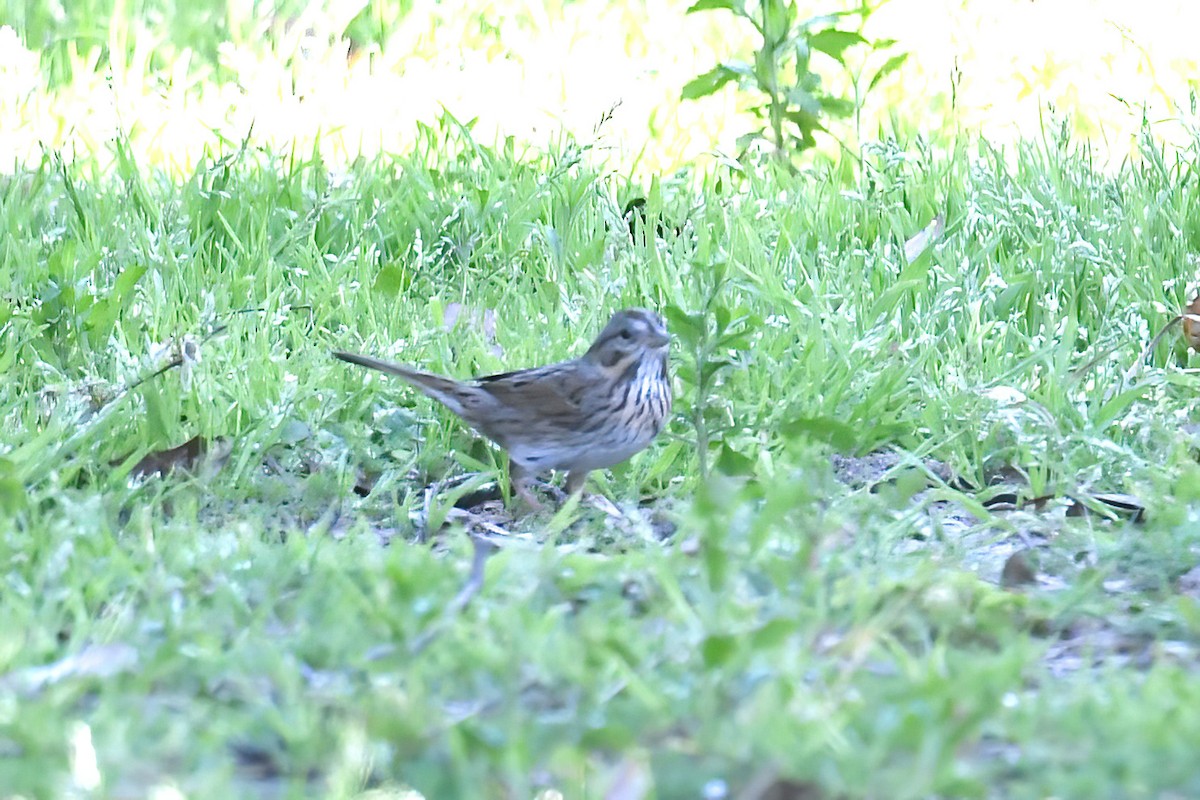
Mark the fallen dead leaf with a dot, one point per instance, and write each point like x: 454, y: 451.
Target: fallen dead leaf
x: 1189, y: 583
x: 1018, y: 570
x: 365, y: 480
x: 1191, y: 324
x: 769, y: 785
x: 921, y: 241
x: 1190, y: 319
x: 186, y: 457
x: 450, y: 315
x: 631, y: 780
x: 1125, y: 506
x: 485, y: 322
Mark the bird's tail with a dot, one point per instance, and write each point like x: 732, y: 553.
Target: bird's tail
x: 445, y: 390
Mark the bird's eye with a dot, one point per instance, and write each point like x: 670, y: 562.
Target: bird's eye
x: 626, y: 334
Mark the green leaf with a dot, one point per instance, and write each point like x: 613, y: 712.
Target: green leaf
x: 889, y: 66
x: 766, y: 72
x: 717, y: 650
x: 722, y: 315
x: 807, y: 123
x: 391, y: 280
x: 12, y: 492
x: 62, y: 264
x: 613, y: 736
x: 804, y: 101
x: 1015, y: 293
x: 731, y: 462
x: 822, y: 20
x: 161, y: 414
x: 716, y: 563
x: 711, y: 367
x: 805, y: 120
x: 834, y: 43
x: 739, y: 340
x: 887, y: 301
x: 841, y: 435
x: 778, y: 16
x: 773, y: 633
x: 746, y: 139
x: 128, y: 279
x: 102, y: 317
x: 1118, y: 406
x: 688, y: 327
x: 837, y: 106
x: 715, y: 5
x: 709, y: 82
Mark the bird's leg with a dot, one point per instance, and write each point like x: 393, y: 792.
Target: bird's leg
x: 575, y: 481
x: 576, y: 478
x: 521, y: 478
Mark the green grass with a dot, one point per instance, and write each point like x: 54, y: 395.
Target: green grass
x: 259, y: 629
x: 838, y: 635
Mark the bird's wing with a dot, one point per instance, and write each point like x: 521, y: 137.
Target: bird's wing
x: 556, y: 392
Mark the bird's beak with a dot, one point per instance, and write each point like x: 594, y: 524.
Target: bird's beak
x: 660, y: 338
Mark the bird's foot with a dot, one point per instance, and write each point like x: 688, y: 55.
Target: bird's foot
x: 522, y: 491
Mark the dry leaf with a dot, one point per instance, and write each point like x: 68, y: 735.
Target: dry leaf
x: 259, y: 761
x: 1126, y: 505
x: 630, y: 780
x: 185, y: 457
x: 1189, y: 583
x: 1018, y: 571
x: 769, y: 785
x: 1121, y: 505
x: 489, y: 324
x: 1191, y: 324
x: 189, y: 358
x: 365, y: 480
x: 921, y: 242
x: 450, y: 315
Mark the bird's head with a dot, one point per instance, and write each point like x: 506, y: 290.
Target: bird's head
x: 630, y: 336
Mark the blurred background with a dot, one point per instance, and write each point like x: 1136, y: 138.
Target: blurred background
x: 182, y: 79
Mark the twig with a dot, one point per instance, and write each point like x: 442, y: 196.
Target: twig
x: 86, y: 430
x: 472, y: 587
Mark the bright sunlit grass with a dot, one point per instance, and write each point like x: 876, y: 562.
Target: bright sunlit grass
x: 293, y: 82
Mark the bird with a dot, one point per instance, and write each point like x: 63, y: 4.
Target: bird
x: 580, y: 415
